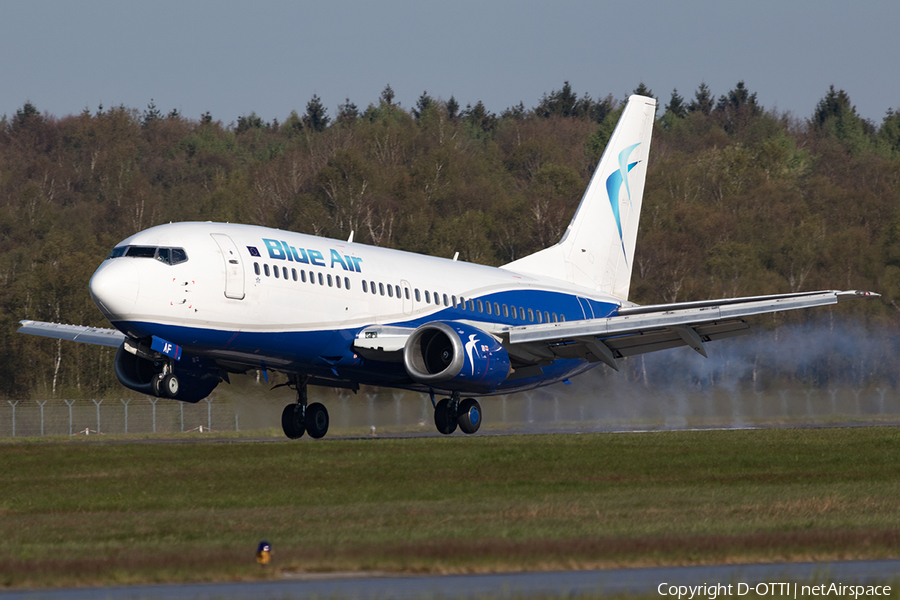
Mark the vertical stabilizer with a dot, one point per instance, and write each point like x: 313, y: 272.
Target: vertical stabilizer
x: 597, y: 249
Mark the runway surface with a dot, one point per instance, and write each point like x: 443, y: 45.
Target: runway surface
x: 388, y: 435
x: 558, y: 584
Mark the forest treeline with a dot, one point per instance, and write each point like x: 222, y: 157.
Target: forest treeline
x: 739, y: 200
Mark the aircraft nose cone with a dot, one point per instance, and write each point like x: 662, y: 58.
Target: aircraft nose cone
x: 114, y: 288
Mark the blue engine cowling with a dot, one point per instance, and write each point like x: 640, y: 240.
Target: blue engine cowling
x: 454, y: 356
x: 197, y: 377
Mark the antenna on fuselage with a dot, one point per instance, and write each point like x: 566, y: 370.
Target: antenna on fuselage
x: 455, y: 256
x: 350, y: 239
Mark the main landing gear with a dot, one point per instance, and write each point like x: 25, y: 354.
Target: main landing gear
x: 450, y: 412
x: 299, y: 418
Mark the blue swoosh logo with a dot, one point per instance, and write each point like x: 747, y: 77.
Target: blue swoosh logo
x: 614, y: 187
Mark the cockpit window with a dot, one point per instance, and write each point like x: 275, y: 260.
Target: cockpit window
x: 141, y: 252
x: 169, y: 256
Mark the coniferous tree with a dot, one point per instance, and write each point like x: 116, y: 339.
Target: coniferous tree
x: 452, y: 108
x: 347, y: 113
x: 387, y: 95
x: 703, y: 101
x: 676, y: 106
x: 316, y: 117
x: 737, y: 108
x: 422, y: 105
x: 151, y: 114
x: 836, y: 116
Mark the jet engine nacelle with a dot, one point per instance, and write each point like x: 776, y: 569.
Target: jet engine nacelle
x: 455, y: 356
x: 197, y: 377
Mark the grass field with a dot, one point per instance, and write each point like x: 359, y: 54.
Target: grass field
x: 91, y: 513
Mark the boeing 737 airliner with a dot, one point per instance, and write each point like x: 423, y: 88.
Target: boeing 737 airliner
x: 192, y: 303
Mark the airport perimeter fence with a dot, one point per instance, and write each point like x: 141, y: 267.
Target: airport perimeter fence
x: 26, y: 418
x: 379, y: 409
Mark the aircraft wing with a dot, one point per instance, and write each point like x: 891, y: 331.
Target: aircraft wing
x: 74, y: 333
x: 641, y: 329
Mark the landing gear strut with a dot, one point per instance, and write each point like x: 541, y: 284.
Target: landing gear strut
x: 298, y: 418
x: 452, y: 412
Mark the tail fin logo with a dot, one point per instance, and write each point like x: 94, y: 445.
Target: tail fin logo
x: 614, y: 188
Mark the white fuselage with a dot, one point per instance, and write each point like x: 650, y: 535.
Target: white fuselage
x: 266, y: 298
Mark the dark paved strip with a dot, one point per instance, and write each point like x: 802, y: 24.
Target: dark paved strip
x: 560, y: 584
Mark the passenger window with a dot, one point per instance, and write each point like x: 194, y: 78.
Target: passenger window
x: 555, y: 318
x: 488, y: 307
x: 321, y: 279
x: 530, y: 315
x: 546, y: 316
x: 266, y: 269
x: 446, y: 300
x: 427, y: 297
x: 346, y: 283
x: 406, y: 292
x: 453, y: 298
x: 294, y: 274
x: 497, y: 308
x: 505, y: 311
x: 397, y: 290
x: 521, y: 313
x: 372, y: 284
x: 562, y: 318
x: 256, y: 268
x: 418, y: 298
x: 390, y: 291
x: 471, y: 305
x: 312, y: 277
x: 437, y: 299
x: 381, y: 289
x: 337, y: 282
x: 276, y: 272
x: 302, y: 275
x: 480, y: 306
x: 329, y: 280
x: 539, y: 316
x: 284, y: 270
x: 365, y: 287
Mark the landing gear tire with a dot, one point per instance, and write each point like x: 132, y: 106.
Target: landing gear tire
x: 445, y: 416
x: 469, y: 415
x: 316, y: 420
x: 292, y: 421
x: 156, y: 384
x: 170, y: 386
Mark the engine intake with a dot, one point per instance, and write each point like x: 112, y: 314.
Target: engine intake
x: 455, y: 355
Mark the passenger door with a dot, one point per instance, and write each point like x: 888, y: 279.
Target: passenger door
x: 234, y: 268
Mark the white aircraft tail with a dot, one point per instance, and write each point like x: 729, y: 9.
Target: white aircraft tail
x: 597, y: 249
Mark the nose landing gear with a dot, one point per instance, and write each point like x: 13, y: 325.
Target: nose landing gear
x: 298, y: 418
x: 165, y: 384
x: 451, y: 412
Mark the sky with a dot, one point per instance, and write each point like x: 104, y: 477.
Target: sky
x: 269, y: 57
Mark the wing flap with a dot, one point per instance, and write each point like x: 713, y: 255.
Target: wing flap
x: 75, y: 333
